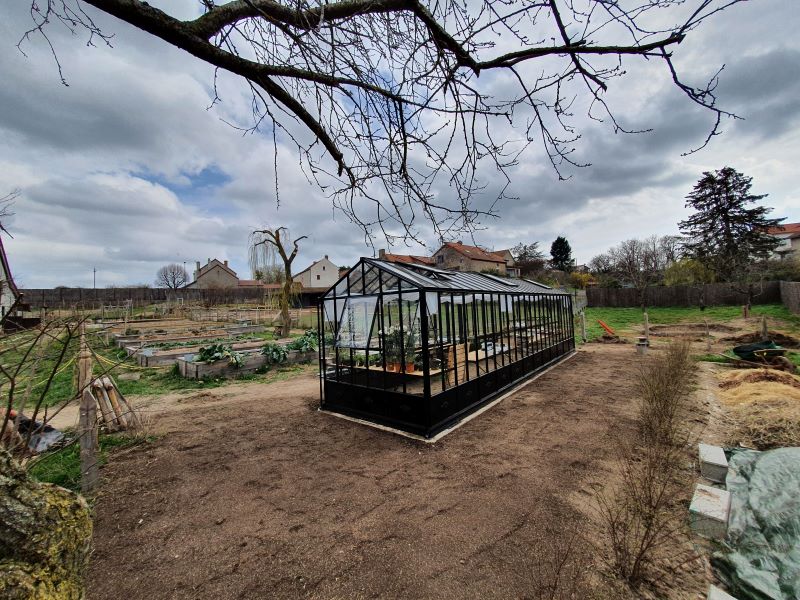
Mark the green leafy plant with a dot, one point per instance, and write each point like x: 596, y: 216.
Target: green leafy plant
x: 275, y: 353
x: 308, y: 342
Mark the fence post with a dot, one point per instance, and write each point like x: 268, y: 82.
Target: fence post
x: 583, y: 326
x: 87, y: 425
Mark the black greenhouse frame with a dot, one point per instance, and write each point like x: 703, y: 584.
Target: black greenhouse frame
x: 418, y: 349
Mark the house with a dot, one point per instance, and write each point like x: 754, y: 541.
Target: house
x: 214, y: 275
x: 320, y: 274
x: 9, y: 294
x: 408, y: 259
x: 511, y: 269
x: 789, y: 234
x: 458, y: 256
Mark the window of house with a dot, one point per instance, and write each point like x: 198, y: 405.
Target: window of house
x: 323, y: 267
x: 440, y: 259
x: 317, y: 277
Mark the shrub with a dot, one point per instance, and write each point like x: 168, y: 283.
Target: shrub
x: 639, y: 519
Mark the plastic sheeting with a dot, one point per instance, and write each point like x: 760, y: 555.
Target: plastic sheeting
x: 760, y: 558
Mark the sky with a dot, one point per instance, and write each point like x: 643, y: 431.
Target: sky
x: 128, y: 168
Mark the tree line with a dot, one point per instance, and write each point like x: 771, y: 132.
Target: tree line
x: 725, y: 239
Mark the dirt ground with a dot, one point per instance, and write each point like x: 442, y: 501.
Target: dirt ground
x: 250, y: 492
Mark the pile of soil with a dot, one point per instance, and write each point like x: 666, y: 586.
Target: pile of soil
x: 779, y: 338
x: 765, y: 407
x: 742, y: 377
x: 701, y: 327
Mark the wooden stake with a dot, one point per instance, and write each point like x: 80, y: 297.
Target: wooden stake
x: 87, y: 424
x: 708, y: 337
x: 583, y: 326
x: 104, y: 403
x: 108, y: 390
x: 764, y: 329
x: 647, y: 328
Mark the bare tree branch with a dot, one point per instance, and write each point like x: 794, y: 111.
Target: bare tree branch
x: 394, y: 92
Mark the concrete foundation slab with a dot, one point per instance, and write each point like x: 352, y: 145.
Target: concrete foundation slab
x: 709, y: 511
x: 714, y: 593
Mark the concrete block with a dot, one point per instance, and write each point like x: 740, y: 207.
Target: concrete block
x: 709, y: 511
x: 714, y: 593
x: 713, y: 464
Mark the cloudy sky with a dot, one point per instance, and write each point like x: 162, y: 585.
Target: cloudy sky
x: 127, y: 168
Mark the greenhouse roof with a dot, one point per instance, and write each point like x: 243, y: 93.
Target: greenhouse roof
x: 432, y: 279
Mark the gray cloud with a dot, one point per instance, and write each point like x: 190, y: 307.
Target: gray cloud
x: 104, y: 163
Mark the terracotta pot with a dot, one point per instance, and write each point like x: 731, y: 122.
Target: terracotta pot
x: 392, y: 367
x: 410, y: 367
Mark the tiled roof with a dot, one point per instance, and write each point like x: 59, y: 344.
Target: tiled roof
x: 409, y: 259
x: 474, y: 252
x: 786, y: 228
x: 250, y: 283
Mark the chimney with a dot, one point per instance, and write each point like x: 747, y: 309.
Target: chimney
x: 226, y: 263
x: 382, y: 254
x: 326, y: 257
x: 460, y: 243
x: 197, y: 265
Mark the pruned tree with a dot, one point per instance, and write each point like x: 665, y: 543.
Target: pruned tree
x: 267, y: 247
x: 172, y: 276
x: 726, y: 233
x: 561, y: 254
x: 529, y: 259
x: 384, y: 99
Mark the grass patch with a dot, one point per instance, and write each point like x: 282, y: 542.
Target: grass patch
x: 63, y: 467
x: 623, y: 320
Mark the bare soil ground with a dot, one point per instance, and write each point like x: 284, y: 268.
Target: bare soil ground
x: 252, y: 493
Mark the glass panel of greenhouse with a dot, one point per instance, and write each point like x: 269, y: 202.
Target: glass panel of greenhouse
x: 417, y: 348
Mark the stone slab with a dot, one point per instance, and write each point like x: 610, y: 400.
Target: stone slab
x: 713, y: 464
x: 709, y: 511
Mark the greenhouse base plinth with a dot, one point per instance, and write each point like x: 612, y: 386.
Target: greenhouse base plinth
x: 465, y: 419
x: 418, y: 349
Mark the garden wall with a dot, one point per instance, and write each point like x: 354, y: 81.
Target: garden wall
x: 790, y: 295
x: 712, y: 294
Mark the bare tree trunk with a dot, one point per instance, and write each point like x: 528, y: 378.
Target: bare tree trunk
x: 286, y: 320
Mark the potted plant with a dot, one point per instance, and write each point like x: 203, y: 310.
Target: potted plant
x: 391, y: 345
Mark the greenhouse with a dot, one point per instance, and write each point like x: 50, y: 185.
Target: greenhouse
x: 417, y: 349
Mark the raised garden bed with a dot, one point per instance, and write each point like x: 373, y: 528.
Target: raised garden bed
x: 159, y: 357
x: 250, y: 364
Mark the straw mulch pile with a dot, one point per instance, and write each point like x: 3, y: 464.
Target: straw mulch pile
x: 765, y: 406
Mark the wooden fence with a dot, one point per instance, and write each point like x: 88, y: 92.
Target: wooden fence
x: 790, y: 295
x: 712, y: 294
x: 65, y: 298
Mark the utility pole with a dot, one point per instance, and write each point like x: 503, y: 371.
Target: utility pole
x: 94, y: 278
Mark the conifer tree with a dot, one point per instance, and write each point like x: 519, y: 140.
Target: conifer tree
x: 726, y: 233
x: 561, y: 254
